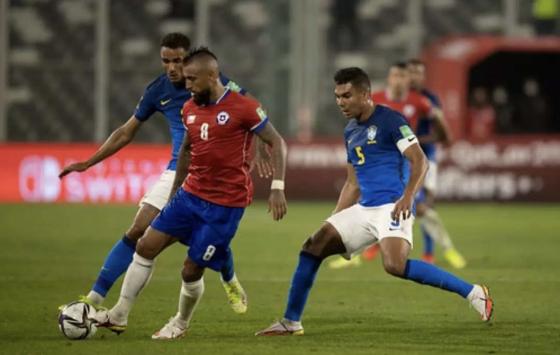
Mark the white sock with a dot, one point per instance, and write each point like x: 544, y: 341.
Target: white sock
x: 434, y: 226
x: 137, y: 276
x: 95, y: 298
x: 190, y: 295
x: 292, y: 323
x: 473, y: 293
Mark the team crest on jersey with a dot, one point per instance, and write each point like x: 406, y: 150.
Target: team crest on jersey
x: 191, y: 118
x: 371, y: 132
x: 408, y: 110
x: 222, y: 118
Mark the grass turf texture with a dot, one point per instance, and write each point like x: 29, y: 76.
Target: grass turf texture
x: 51, y: 253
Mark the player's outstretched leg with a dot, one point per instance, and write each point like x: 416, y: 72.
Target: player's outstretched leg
x: 136, y: 278
x: 119, y: 258
x: 236, y: 295
x: 324, y: 243
x: 191, y: 292
x: 395, y: 261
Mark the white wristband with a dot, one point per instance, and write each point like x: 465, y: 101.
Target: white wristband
x: 277, y: 185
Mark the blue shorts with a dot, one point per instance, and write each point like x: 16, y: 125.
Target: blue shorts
x: 207, y: 228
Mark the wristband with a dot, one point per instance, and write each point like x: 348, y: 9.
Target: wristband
x: 277, y: 185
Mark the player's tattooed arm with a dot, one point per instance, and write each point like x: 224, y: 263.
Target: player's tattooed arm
x: 277, y: 201
x: 350, y: 192
x: 263, y: 159
x: 183, y: 162
x: 418, y: 169
x: 116, y: 141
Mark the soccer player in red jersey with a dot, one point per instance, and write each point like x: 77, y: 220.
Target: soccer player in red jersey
x: 204, y: 213
x: 399, y: 97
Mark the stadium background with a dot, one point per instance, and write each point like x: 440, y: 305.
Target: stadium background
x: 71, y: 71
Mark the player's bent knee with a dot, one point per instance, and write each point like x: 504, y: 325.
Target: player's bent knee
x: 325, y: 242
x: 151, y: 244
x: 421, y: 209
x: 394, y: 267
x: 136, y: 232
x: 191, y: 271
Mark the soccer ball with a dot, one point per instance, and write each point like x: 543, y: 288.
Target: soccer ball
x: 74, y: 323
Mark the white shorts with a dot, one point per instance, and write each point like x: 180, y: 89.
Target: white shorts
x: 361, y: 226
x: 158, y: 194
x: 430, y: 181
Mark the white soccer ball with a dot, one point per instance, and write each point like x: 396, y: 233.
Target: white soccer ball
x: 74, y: 323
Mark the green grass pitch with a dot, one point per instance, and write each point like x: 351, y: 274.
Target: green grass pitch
x: 51, y: 253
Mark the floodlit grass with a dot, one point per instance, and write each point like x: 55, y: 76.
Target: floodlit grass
x: 51, y: 253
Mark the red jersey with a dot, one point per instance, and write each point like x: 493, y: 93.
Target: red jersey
x: 412, y: 107
x: 221, y: 135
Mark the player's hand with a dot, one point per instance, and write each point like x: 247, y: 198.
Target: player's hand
x: 263, y: 161
x: 79, y: 167
x: 403, y: 208
x: 277, y: 204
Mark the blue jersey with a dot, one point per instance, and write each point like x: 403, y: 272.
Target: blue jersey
x: 168, y: 98
x: 425, y: 125
x: 374, y: 149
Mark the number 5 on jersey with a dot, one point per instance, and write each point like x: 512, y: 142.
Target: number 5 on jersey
x: 360, y: 154
x: 204, y: 131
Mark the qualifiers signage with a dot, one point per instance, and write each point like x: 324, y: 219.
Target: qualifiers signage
x: 30, y: 173
x: 504, y: 169
x: 520, y: 168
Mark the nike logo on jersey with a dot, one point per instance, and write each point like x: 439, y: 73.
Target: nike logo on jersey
x: 411, y: 139
x: 164, y: 102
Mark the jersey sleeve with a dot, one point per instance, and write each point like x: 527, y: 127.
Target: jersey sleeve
x: 146, y: 106
x: 401, y: 133
x: 254, y: 116
x: 232, y: 85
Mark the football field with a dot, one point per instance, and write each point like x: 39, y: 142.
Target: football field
x: 51, y: 253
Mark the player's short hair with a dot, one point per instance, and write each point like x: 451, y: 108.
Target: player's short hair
x: 176, y: 40
x: 399, y: 65
x: 199, y: 52
x: 416, y: 61
x: 353, y: 75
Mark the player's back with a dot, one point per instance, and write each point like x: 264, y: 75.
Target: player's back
x: 221, y: 136
x: 373, y: 150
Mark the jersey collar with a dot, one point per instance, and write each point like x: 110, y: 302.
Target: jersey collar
x: 221, y: 98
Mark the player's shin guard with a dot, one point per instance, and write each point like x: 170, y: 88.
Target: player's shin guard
x: 190, y: 295
x: 429, y: 274
x: 115, y: 265
x: 137, y: 276
x: 302, y: 282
